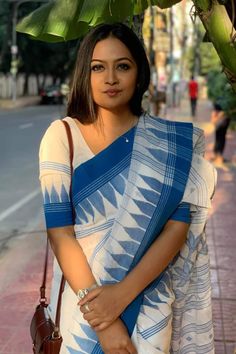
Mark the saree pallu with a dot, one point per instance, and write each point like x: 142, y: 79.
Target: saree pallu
x: 162, y: 174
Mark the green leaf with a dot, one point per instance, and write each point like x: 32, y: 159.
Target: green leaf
x: 90, y: 11
x: 140, y: 6
x: 54, y: 22
x: 121, y: 9
x: 62, y: 20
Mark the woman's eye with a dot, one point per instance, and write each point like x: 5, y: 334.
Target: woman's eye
x: 96, y: 67
x: 123, y: 66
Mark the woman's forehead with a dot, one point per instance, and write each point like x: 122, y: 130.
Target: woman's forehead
x: 111, y: 48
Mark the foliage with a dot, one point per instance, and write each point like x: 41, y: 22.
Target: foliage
x: 4, y: 33
x: 220, y: 91
x: 77, y: 16
x: 34, y: 57
x: 208, y: 57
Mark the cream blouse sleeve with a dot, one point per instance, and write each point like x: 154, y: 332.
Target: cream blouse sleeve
x: 55, y: 176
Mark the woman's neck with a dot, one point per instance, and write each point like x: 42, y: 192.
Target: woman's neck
x: 115, y: 122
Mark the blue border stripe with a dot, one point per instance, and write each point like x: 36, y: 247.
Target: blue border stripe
x: 49, y: 165
x: 104, y: 164
x: 90, y: 230
x: 96, y: 184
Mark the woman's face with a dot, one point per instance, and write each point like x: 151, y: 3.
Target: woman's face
x: 113, y: 75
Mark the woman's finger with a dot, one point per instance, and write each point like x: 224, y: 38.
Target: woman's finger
x: 90, y: 296
x: 101, y: 326
x: 86, y: 308
x: 131, y: 348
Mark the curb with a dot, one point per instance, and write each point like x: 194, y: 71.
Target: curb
x: 8, y: 104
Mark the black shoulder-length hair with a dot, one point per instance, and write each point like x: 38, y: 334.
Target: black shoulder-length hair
x: 80, y: 102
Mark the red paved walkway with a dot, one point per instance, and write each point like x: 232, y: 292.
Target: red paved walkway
x: 21, y: 266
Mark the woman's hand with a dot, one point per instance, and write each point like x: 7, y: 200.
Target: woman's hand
x: 103, y: 305
x: 115, y: 339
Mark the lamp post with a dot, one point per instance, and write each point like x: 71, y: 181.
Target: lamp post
x: 14, y: 47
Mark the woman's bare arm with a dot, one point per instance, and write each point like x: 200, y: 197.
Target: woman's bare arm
x: 71, y: 258
x: 156, y: 259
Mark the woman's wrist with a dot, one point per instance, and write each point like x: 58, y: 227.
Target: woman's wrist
x: 129, y: 291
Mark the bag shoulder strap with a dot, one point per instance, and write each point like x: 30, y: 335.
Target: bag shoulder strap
x: 43, y: 286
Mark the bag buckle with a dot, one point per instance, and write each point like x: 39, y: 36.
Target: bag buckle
x: 56, y: 333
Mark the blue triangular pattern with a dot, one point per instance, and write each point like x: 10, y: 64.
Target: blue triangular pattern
x: 109, y: 193
x: 87, y: 207
x: 54, y: 196
x: 159, y: 154
x: 153, y: 130
x: 97, y: 201
x: 129, y: 246
x: 150, y: 196
x: 89, y: 332
x: 153, y: 183
x: 119, y: 184
x: 125, y: 173
x: 81, y: 214
x: 162, y: 289
x: 116, y: 273
x: 141, y: 220
x: 146, y: 302
x: 64, y: 194
x: 85, y: 344
x: 135, y: 233
x: 144, y: 207
x: 123, y: 260
x: 158, y: 133
x: 153, y: 297
x: 74, y: 351
x: 46, y: 197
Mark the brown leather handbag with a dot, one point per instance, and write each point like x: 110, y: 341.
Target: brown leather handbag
x: 44, y: 332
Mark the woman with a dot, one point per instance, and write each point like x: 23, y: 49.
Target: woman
x: 221, y: 122
x: 135, y: 257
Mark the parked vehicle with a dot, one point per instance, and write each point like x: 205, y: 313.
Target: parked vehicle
x: 51, y: 95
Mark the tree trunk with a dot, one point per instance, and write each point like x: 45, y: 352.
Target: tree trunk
x: 221, y: 32
x: 6, y: 38
x: 26, y: 84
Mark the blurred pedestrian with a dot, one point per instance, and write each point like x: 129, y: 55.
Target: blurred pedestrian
x: 221, y: 122
x: 193, y: 95
x: 133, y: 252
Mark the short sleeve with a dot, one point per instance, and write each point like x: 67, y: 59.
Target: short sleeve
x: 55, y: 176
x: 182, y: 213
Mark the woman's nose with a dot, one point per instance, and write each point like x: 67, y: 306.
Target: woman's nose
x: 111, y: 77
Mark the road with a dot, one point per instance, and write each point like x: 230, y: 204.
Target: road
x: 20, y: 197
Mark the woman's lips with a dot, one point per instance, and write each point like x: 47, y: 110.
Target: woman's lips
x: 112, y: 93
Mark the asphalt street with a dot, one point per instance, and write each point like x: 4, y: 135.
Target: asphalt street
x: 20, y: 197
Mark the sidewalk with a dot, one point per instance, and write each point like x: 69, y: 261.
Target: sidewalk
x: 6, y: 104
x: 21, y: 266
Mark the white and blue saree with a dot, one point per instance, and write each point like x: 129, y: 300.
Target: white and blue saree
x: 122, y: 198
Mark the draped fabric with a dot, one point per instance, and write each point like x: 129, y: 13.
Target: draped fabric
x: 122, y: 198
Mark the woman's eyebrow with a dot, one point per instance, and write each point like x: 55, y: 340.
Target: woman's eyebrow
x: 119, y: 59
